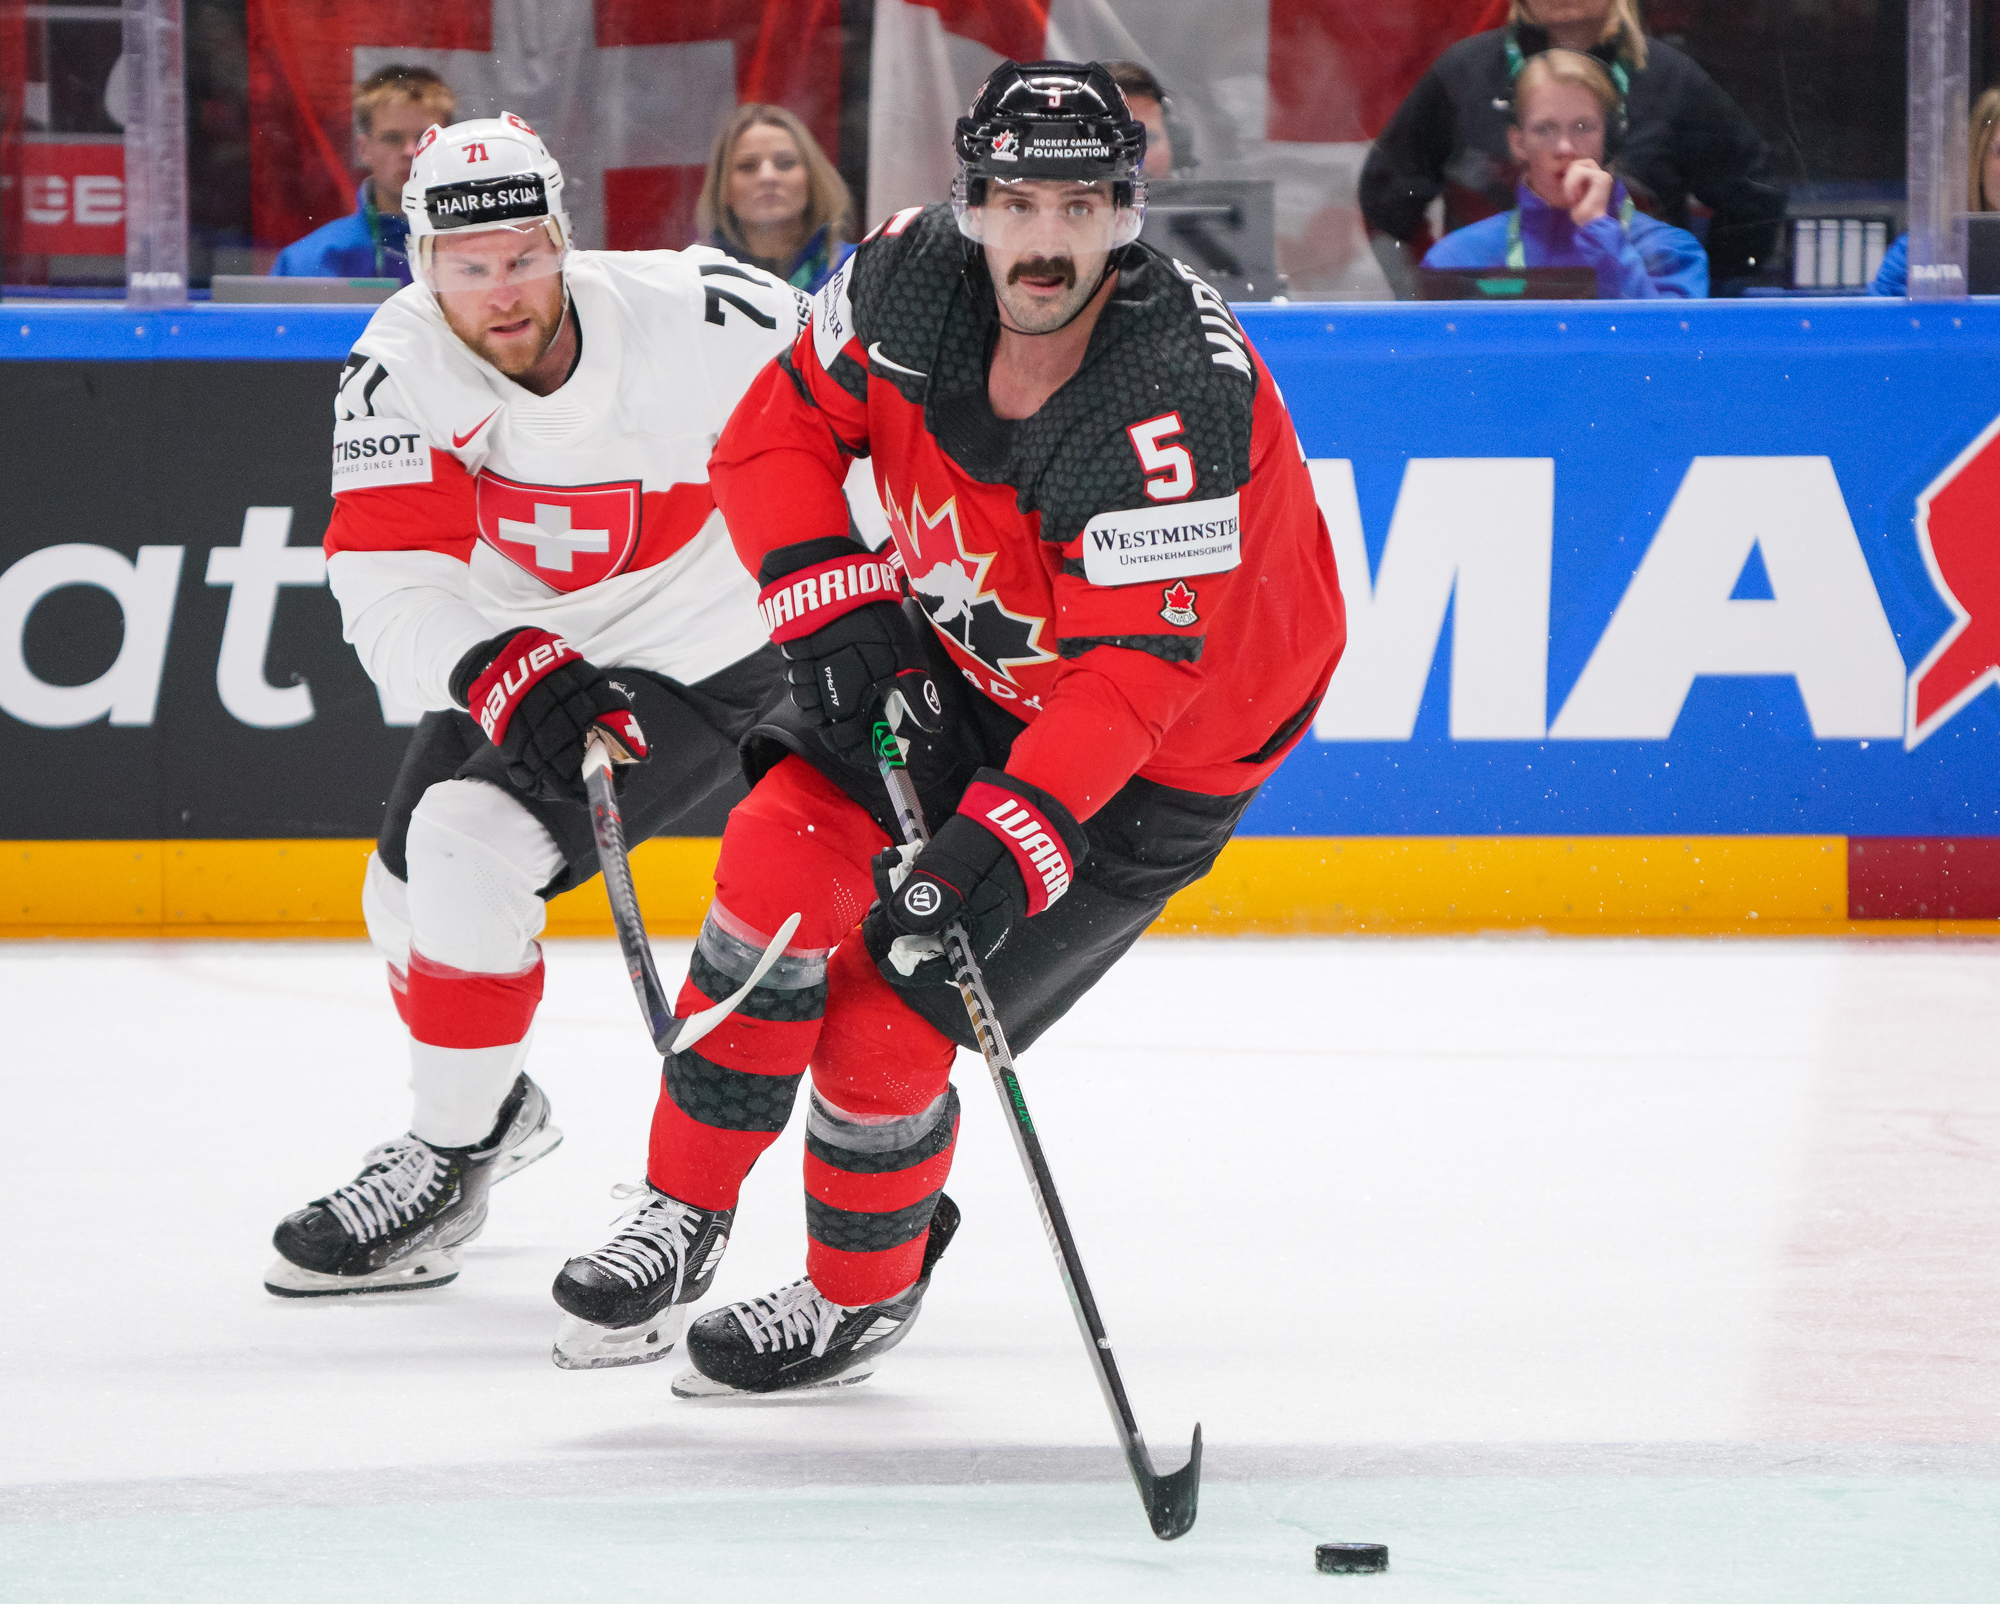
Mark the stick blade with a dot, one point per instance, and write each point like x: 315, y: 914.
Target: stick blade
x: 1170, y: 1500
x: 677, y: 1035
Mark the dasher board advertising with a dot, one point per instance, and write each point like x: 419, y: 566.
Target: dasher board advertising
x: 1610, y: 568
x: 1651, y: 568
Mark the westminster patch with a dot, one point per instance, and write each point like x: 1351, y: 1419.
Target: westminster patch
x: 1156, y: 543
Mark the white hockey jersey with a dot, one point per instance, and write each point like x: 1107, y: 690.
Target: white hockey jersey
x: 465, y: 504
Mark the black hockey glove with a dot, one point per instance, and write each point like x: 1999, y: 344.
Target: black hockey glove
x: 537, y: 700
x: 1008, y: 853
x: 832, y: 608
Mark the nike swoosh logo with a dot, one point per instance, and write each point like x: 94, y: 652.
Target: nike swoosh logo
x: 875, y: 355
x: 459, y: 440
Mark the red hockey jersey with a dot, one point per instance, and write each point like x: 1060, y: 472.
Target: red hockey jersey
x: 1140, y: 570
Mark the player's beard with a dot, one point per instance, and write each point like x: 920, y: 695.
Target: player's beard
x: 543, y: 304
x: 1027, y: 315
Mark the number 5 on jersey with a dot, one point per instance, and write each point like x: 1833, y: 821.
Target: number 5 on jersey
x: 1169, y: 469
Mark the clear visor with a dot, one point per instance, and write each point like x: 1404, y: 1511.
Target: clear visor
x: 1049, y: 217
x: 485, y: 259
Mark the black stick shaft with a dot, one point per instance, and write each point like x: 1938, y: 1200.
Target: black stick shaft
x: 609, y: 829
x: 1170, y: 1500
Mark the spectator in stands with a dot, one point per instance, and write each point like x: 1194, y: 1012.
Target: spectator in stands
x: 1148, y: 103
x: 1982, y: 183
x: 1686, y: 140
x: 392, y: 108
x: 1569, y: 208
x: 772, y: 199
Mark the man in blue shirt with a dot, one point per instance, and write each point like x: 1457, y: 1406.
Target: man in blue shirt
x: 392, y: 108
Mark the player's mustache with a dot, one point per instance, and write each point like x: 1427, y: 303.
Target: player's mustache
x: 1044, y: 267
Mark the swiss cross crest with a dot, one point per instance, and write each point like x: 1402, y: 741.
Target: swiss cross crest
x: 950, y: 584
x: 568, y: 536
x: 1180, y: 603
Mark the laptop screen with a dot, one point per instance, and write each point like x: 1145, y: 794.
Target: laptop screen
x: 1506, y: 284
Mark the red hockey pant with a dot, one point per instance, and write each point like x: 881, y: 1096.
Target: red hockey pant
x: 883, y: 1118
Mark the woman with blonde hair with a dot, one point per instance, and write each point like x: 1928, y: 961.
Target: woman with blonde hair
x: 772, y: 199
x: 1685, y: 139
x: 1982, y: 192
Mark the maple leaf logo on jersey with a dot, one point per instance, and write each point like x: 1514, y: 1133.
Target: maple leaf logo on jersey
x: 949, y: 584
x: 1180, y: 603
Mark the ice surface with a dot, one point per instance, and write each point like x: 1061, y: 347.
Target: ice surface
x: 1570, y: 1270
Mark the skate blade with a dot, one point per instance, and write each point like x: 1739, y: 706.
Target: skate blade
x: 691, y: 1383
x: 580, y: 1345
x: 434, y: 1269
x: 544, y: 1142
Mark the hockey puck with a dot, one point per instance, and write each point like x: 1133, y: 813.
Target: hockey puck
x: 1340, y: 1559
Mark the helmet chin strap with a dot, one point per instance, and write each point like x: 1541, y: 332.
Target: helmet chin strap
x: 1111, y: 265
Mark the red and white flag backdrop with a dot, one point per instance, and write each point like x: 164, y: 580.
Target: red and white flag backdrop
x: 629, y: 93
x: 1290, y: 90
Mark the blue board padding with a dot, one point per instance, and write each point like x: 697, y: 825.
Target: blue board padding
x: 1368, y: 331
x: 34, y: 332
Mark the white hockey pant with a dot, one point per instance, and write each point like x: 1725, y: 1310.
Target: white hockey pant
x: 460, y: 940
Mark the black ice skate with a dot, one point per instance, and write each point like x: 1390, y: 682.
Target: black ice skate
x: 398, y: 1224
x: 626, y: 1303
x: 794, y: 1340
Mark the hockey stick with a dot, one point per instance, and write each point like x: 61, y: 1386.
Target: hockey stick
x: 670, y: 1034
x: 1169, y: 1499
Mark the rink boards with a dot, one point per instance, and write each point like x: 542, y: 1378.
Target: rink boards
x: 1661, y: 617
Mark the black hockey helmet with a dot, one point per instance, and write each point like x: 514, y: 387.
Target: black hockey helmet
x: 1051, y: 119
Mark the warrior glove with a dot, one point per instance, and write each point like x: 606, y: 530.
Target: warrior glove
x: 1008, y: 853
x: 537, y: 700
x: 831, y: 607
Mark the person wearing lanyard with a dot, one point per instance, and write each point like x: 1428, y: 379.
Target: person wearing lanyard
x: 772, y: 199
x: 392, y: 108
x: 1570, y: 209
x: 1688, y: 142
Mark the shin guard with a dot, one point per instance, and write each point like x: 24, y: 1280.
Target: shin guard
x: 872, y: 1182
x: 721, y: 1105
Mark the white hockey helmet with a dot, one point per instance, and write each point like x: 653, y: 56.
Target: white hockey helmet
x: 486, y: 173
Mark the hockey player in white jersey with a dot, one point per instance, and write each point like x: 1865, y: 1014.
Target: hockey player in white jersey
x: 524, y: 544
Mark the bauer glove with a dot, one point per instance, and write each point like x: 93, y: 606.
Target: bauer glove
x: 537, y: 700
x: 832, y: 608
x: 1008, y: 853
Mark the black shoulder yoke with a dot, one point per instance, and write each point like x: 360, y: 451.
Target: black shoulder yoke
x: 1165, y: 345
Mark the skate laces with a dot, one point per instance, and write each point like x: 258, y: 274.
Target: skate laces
x: 790, y: 1317
x: 398, y: 1180
x: 654, y: 1237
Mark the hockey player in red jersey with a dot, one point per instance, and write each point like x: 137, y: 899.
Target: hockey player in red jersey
x: 524, y: 544
x: 1122, y: 614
